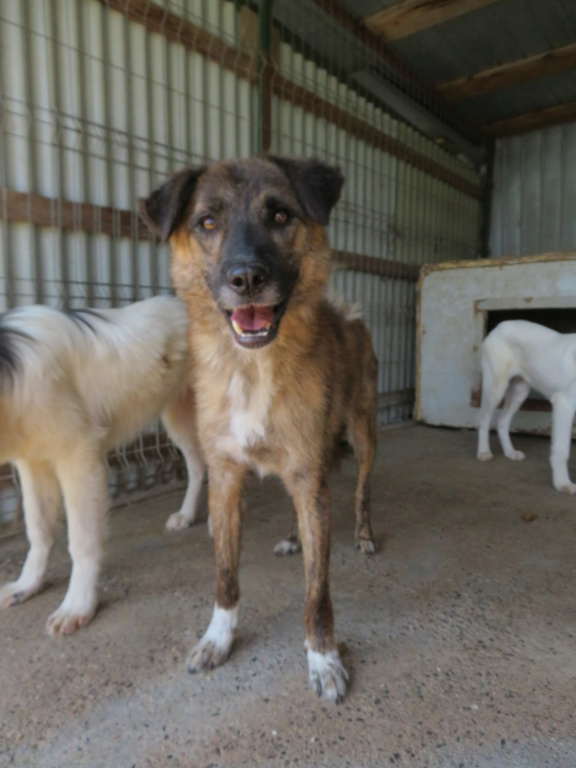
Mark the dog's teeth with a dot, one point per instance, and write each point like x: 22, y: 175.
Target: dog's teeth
x: 237, y: 330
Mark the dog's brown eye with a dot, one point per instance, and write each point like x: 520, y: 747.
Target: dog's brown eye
x: 208, y: 223
x: 280, y: 217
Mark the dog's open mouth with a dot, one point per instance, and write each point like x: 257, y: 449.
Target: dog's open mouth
x: 255, y: 325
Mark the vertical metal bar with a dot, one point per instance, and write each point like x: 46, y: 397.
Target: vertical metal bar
x: 33, y: 160
x: 222, y: 101
x: 154, y: 250
x: 264, y: 76
x: 108, y: 107
x: 58, y: 181
x: 205, y: 95
x: 5, y: 249
x: 86, y: 172
x: 134, y: 288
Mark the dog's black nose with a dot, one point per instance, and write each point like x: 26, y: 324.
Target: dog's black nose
x: 247, y: 278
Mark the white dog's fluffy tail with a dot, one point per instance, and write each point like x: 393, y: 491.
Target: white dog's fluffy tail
x: 349, y: 311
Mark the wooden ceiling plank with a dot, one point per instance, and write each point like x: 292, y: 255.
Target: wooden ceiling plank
x: 531, y: 121
x: 411, y: 16
x: 510, y: 74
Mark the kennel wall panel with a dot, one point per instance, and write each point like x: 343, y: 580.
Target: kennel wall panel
x: 535, y: 193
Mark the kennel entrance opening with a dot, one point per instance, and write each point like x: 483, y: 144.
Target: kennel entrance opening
x: 557, y: 313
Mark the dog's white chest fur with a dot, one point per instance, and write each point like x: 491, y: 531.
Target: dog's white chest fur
x: 250, y: 394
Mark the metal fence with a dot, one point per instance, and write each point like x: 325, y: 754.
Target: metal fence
x: 101, y: 99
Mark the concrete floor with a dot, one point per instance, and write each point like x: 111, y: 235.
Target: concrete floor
x: 459, y: 634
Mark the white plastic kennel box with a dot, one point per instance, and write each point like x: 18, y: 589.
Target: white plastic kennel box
x: 458, y: 304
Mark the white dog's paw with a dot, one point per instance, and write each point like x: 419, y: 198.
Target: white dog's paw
x: 178, y: 522
x: 366, y: 546
x: 566, y: 487
x: 289, y: 546
x: 66, y: 620
x: 216, y: 644
x: 516, y: 455
x: 484, y: 455
x: 327, y: 675
x: 14, y: 593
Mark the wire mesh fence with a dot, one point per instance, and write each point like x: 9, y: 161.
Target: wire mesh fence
x: 101, y: 99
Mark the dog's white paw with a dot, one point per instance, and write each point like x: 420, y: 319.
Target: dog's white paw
x: 366, y: 546
x: 327, y: 675
x: 216, y: 644
x: 485, y: 455
x: 566, y: 487
x: 14, y: 593
x: 65, y: 621
x: 516, y: 455
x: 178, y: 522
x: 207, y: 655
x: 289, y: 546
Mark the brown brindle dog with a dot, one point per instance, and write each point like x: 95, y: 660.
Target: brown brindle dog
x: 280, y: 373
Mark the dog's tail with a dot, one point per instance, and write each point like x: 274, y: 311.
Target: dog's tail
x: 349, y: 311
x: 9, y: 355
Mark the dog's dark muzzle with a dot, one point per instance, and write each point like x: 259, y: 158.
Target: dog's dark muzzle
x: 247, y: 280
x: 253, y: 300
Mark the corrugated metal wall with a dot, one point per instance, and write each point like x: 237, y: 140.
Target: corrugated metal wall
x: 534, y: 197
x: 101, y: 99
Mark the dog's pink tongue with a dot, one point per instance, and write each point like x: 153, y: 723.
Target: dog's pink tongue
x: 253, y: 318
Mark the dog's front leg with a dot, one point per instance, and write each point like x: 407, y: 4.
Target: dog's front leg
x: 83, y: 480
x: 563, y: 408
x: 41, y: 498
x: 225, y: 508
x: 312, y: 502
x: 179, y: 419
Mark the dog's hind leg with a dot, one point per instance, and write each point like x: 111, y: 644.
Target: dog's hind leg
x: 563, y: 408
x: 494, y: 386
x: 225, y: 506
x: 82, y: 476
x: 179, y: 419
x: 326, y: 672
x: 291, y: 544
x: 362, y: 435
x: 517, y: 392
x: 41, y: 498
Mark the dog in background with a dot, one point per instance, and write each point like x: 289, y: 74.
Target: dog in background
x: 516, y: 356
x: 74, y: 385
x: 280, y: 374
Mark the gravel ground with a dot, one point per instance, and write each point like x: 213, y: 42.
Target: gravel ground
x: 458, y: 634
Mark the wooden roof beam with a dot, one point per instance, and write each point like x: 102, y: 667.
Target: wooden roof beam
x: 510, y: 74
x: 531, y: 121
x: 411, y: 16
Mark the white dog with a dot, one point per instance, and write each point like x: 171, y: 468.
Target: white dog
x: 516, y: 356
x: 73, y: 385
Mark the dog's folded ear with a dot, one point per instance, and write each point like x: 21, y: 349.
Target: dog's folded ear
x: 164, y: 210
x: 317, y: 185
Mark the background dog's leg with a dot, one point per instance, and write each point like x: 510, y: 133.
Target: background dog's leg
x: 41, y: 497
x: 180, y: 422
x: 362, y: 435
x: 225, y: 505
x: 563, y: 408
x: 327, y: 674
x: 82, y: 477
x: 493, y: 390
x: 518, y: 391
x: 291, y: 544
